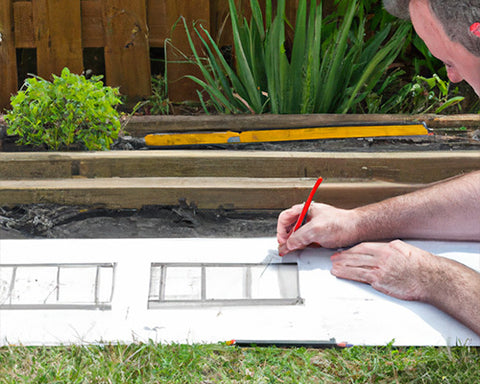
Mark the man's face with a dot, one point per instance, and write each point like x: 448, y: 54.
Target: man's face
x: 460, y: 63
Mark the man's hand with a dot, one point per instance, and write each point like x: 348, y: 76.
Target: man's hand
x: 409, y: 273
x: 327, y: 226
x: 396, y: 268
x: 447, y: 210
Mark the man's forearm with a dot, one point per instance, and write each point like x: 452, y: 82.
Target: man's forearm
x: 448, y: 210
x: 455, y: 289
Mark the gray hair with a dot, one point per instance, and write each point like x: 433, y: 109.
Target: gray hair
x: 455, y: 16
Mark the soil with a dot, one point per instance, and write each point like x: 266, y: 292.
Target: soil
x: 55, y: 221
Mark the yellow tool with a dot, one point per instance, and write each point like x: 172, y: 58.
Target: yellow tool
x: 292, y: 134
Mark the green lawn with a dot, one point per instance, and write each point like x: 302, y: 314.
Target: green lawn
x: 151, y: 363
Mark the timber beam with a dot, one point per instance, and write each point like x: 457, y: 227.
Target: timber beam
x: 405, y: 167
x: 204, y: 193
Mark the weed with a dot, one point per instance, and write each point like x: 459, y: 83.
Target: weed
x: 158, y: 103
x: 422, y: 95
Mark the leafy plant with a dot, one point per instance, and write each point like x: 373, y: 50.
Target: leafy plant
x: 422, y: 95
x: 329, y: 69
x: 70, y: 111
x: 415, y: 54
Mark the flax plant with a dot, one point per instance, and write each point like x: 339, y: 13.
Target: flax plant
x: 329, y: 69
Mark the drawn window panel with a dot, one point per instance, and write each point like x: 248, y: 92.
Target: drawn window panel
x: 56, y: 286
x: 182, y: 283
x: 35, y: 285
x: 223, y: 284
x: 276, y: 282
x: 104, y: 283
x: 155, y: 282
x: 7, y: 277
x: 77, y: 285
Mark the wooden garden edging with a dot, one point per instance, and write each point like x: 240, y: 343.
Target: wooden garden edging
x: 205, y: 193
x: 219, y: 179
x: 140, y: 126
x: 400, y: 167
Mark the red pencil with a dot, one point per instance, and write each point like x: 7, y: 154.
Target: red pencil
x: 303, y: 216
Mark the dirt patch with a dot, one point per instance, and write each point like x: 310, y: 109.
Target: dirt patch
x: 55, y: 221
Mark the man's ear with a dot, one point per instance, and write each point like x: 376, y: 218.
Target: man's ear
x: 475, y: 29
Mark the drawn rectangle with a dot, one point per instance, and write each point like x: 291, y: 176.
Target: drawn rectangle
x: 225, y: 283
x: 183, y: 283
x: 77, y: 285
x: 35, y: 285
x: 277, y: 282
x: 56, y: 286
x: 228, y: 284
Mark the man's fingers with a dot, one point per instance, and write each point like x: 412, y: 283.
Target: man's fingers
x: 302, y: 237
x: 354, y: 260
x: 363, y: 275
x: 359, y: 263
x: 282, y: 249
x: 286, y: 221
x: 392, y: 268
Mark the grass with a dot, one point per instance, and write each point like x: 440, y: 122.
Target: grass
x: 218, y: 363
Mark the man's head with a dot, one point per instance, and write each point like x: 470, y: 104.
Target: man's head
x: 445, y: 26
x: 455, y: 16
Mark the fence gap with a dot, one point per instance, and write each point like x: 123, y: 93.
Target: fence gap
x: 26, y: 64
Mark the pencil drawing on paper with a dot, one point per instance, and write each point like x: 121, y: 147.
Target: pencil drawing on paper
x: 56, y: 286
x: 223, y: 284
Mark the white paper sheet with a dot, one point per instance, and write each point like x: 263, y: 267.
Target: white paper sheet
x: 330, y: 308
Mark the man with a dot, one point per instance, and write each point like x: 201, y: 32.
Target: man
x: 449, y: 210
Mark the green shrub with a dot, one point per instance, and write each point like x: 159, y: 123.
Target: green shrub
x: 329, y: 69
x: 71, y: 111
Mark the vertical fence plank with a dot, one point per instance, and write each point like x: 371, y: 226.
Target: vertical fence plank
x: 57, y: 26
x: 291, y: 10
x: 220, y: 20
x: 179, y: 88
x: 221, y: 23
x: 127, y: 56
x: 8, y: 62
x: 23, y: 19
x: 157, y: 22
x: 93, y: 32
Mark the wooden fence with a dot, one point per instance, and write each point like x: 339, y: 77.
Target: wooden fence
x: 58, y: 32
